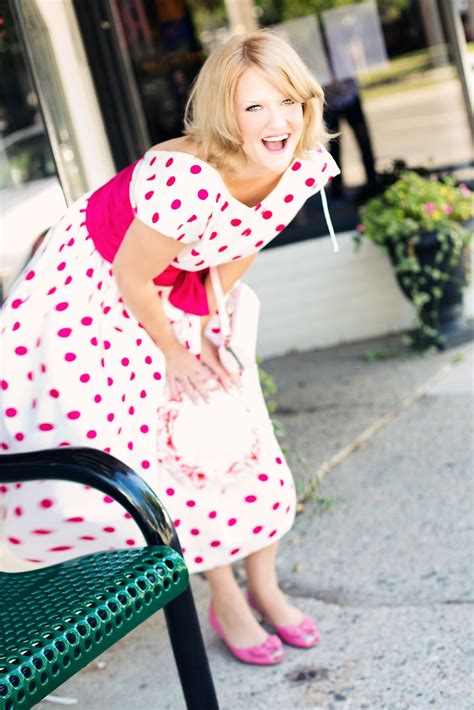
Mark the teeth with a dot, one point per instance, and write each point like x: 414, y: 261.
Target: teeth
x: 276, y: 138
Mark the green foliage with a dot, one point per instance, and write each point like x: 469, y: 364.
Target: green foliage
x: 396, y: 220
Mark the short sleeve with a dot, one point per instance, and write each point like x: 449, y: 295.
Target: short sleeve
x: 170, y: 193
x: 321, y: 168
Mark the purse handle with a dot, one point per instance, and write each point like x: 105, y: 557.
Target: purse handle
x: 220, y: 301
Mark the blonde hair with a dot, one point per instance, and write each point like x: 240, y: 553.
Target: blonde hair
x: 210, y: 120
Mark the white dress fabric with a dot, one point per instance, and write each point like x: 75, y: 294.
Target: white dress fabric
x: 78, y: 369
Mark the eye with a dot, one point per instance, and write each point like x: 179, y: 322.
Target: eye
x: 288, y: 102
x: 255, y: 107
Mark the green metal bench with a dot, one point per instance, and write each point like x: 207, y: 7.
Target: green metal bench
x: 55, y: 620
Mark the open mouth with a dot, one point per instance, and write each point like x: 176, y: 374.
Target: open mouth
x: 276, y: 144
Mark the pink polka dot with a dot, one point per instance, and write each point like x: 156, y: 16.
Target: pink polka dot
x: 131, y: 410
x: 257, y: 529
x: 324, y: 167
x: 46, y: 503
x: 176, y: 204
x: 198, y: 559
x: 97, y: 398
x: 144, y: 428
x: 190, y: 503
x: 110, y: 381
x: 142, y: 394
x: 108, y: 529
x: 231, y: 521
x: 145, y: 464
x: 4, y: 385
x: 193, y: 218
x: 64, y: 332
x: 235, y: 222
x: 278, y: 459
x: 76, y: 519
x: 170, y: 491
x: 30, y: 376
x: 213, y: 235
x: 289, y: 198
x: 296, y: 165
x: 30, y: 275
x: 62, y: 266
x: 259, y: 243
x: 51, y: 291
x: 18, y: 511
x: 110, y: 417
x: 16, y: 326
x: 130, y: 542
x: 74, y: 414
x: 171, y: 181
x: 62, y: 306
x: 107, y: 345
x: 203, y: 194
x: 41, y: 531
x: 91, y: 434
x: 19, y: 436
x: 224, y: 206
x: 223, y: 248
x: 157, y: 376
x: 250, y: 499
x: 127, y: 516
x: 273, y: 532
x: 215, y: 543
x: 149, y: 195
x: 87, y: 320
x: 70, y: 357
x: 275, y: 506
x: 213, y: 514
x: 14, y: 540
x: 235, y: 551
x: 17, y: 303
x: 195, y: 169
x: 246, y: 232
x: 177, y: 523
x: 68, y: 280
x: 262, y: 477
x: 125, y: 361
x: 280, y: 228
x: 11, y: 412
x: 168, y: 163
x: 87, y: 537
x: 310, y: 182
x: 45, y: 426
x: 108, y: 499
x: 60, y: 548
x: 155, y: 217
x: 266, y: 214
x: 85, y: 377
x: 21, y: 350
x: 194, y: 531
x: 148, y: 360
x: 282, y: 482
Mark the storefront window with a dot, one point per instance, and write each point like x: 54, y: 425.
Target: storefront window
x: 31, y: 199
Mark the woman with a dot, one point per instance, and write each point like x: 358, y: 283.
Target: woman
x: 111, y: 332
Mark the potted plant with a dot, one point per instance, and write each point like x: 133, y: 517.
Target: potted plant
x: 424, y: 225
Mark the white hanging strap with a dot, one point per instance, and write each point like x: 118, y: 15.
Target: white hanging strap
x: 328, y: 219
x: 220, y: 301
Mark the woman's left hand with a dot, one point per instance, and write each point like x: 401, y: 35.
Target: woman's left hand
x: 210, y: 358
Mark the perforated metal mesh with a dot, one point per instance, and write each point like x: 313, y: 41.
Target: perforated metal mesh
x: 55, y: 620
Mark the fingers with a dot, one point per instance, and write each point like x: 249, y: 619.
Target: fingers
x: 227, y: 380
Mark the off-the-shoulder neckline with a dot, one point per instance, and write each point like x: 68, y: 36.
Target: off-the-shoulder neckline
x: 209, y: 167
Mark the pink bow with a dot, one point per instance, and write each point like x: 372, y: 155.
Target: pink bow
x: 188, y: 292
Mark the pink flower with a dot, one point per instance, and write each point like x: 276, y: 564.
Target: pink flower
x: 360, y: 228
x: 430, y: 207
x: 447, y: 209
x: 464, y: 190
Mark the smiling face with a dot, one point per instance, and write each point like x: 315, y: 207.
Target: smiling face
x: 270, y: 123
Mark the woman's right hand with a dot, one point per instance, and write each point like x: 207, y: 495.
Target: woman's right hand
x: 185, y: 373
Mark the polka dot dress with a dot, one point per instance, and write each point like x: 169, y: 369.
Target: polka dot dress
x: 78, y: 369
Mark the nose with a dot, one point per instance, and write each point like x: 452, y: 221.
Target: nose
x: 276, y: 119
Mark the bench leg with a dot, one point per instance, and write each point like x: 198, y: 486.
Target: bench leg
x: 190, y: 653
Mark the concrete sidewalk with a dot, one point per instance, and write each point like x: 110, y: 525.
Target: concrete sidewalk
x: 381, y: 554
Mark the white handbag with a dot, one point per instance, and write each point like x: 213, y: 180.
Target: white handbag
x: 238, y: 316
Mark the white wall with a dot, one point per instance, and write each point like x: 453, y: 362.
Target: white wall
x: 313, y: 297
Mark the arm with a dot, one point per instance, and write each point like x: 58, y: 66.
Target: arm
x: 142, y: 255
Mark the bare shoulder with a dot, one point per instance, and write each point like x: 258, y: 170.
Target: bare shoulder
x: 181, y: 144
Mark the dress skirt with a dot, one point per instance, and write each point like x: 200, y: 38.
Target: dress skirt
x: 79, y: 370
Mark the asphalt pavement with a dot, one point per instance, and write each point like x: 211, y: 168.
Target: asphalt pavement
x: 381, y: 553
